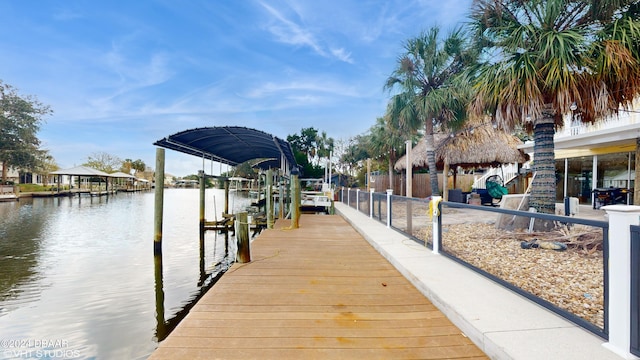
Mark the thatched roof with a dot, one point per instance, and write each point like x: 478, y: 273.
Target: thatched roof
x: 480, y: 146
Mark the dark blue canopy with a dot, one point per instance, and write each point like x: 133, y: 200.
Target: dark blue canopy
x: 231, y: 145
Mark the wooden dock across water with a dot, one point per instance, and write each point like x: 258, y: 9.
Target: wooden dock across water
x: 317, y: 292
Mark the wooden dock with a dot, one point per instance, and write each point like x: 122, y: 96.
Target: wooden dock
x: 317, y: 292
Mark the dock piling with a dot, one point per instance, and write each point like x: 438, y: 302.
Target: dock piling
x: 242, y: 236
x: 202, y: 204
x: 269, y: 199
x: 159, y: 201
x: 295, y: 201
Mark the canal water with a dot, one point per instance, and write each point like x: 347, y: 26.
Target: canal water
x: 78, y: 277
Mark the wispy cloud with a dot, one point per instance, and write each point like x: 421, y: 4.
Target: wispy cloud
x: 290, y: 32
x: 66, y: 15
x: 311, y: 85
x: 342, y: 55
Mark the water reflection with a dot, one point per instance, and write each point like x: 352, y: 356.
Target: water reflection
x: 83, y: 270
x: 20, y: 239
x: 161, y: 326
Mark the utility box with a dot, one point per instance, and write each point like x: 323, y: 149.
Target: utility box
x: 571, y: 206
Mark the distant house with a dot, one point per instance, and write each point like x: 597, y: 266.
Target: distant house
x: 12, y: 174
x: 185, y: 183
x: 590, y: 157
x: 26, y: 177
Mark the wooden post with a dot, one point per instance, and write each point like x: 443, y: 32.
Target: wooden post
x: 289, y: 195
x: 159, y: 201
x: 409, y: 229
x: 242, y: 234
x: 295, y: 201
x: 226, y: 196
x: 268, y: 198
x: 281, y: 198
x: 445, y: 181
x: 202, y: 204
x: 202, y: 223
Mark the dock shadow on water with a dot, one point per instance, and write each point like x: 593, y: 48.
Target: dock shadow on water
x: 78, y: 277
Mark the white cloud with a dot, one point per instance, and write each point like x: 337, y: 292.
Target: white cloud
x: 289, y: 32
x: 342, y: 55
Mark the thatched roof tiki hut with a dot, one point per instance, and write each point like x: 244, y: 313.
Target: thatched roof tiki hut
x: 476, y: 146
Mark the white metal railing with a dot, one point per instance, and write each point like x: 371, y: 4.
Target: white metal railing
x: 576, y: 127
x: 507, y: 172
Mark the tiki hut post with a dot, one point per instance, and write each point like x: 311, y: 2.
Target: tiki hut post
x: 409, y: 189
x: 445, y: 181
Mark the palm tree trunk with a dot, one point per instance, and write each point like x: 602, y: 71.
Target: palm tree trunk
x: 431, y: 157
x: 4, y: 172
x: 543, y: 188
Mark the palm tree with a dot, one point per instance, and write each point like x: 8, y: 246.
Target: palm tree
x: 384, y: 142
x: 324, y: 145
x: 542, y: 56
x: 429, y: 93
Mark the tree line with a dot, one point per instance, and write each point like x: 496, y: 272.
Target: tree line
x: 520, y: 64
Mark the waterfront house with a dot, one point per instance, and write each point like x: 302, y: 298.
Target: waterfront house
x: 590, y: 157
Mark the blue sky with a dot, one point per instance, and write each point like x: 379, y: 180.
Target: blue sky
x: 120, y: 75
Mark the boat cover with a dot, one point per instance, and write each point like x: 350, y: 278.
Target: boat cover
x: 232, y: 145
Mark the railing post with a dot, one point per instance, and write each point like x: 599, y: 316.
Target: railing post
x: 435, y: 225
x: 371, y: 191
x: 621, y: 217
x: 342, y: 194
x: 348, y: 196
x: 358, y: 199
x: 389, y: 192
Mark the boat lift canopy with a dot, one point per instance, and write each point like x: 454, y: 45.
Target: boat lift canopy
x: 232, y: 145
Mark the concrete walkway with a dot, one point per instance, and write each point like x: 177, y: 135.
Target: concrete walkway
x: 503, y: 324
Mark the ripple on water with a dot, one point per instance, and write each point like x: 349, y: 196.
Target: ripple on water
x: 82, y: 270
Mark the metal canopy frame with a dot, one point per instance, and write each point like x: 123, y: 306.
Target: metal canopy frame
x: 232, y: 145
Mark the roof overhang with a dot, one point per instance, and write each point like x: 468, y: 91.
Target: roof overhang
x: 232, y: 145
x: 619, y: 137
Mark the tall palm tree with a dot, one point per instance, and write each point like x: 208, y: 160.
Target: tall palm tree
x: 542, y: 56
x: 384, y: 142
x: 428, y: 93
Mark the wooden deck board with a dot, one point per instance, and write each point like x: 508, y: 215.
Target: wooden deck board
x: 317, y: 292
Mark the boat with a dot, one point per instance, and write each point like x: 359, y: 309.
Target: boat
x: 7, y: 193
x: 316, y: 196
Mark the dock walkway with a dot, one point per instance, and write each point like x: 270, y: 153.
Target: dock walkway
x: 317, y: 292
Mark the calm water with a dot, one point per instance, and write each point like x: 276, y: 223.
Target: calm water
x: 77, y: 275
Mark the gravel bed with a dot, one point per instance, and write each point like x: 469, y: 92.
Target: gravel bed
x: 571, y: 279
